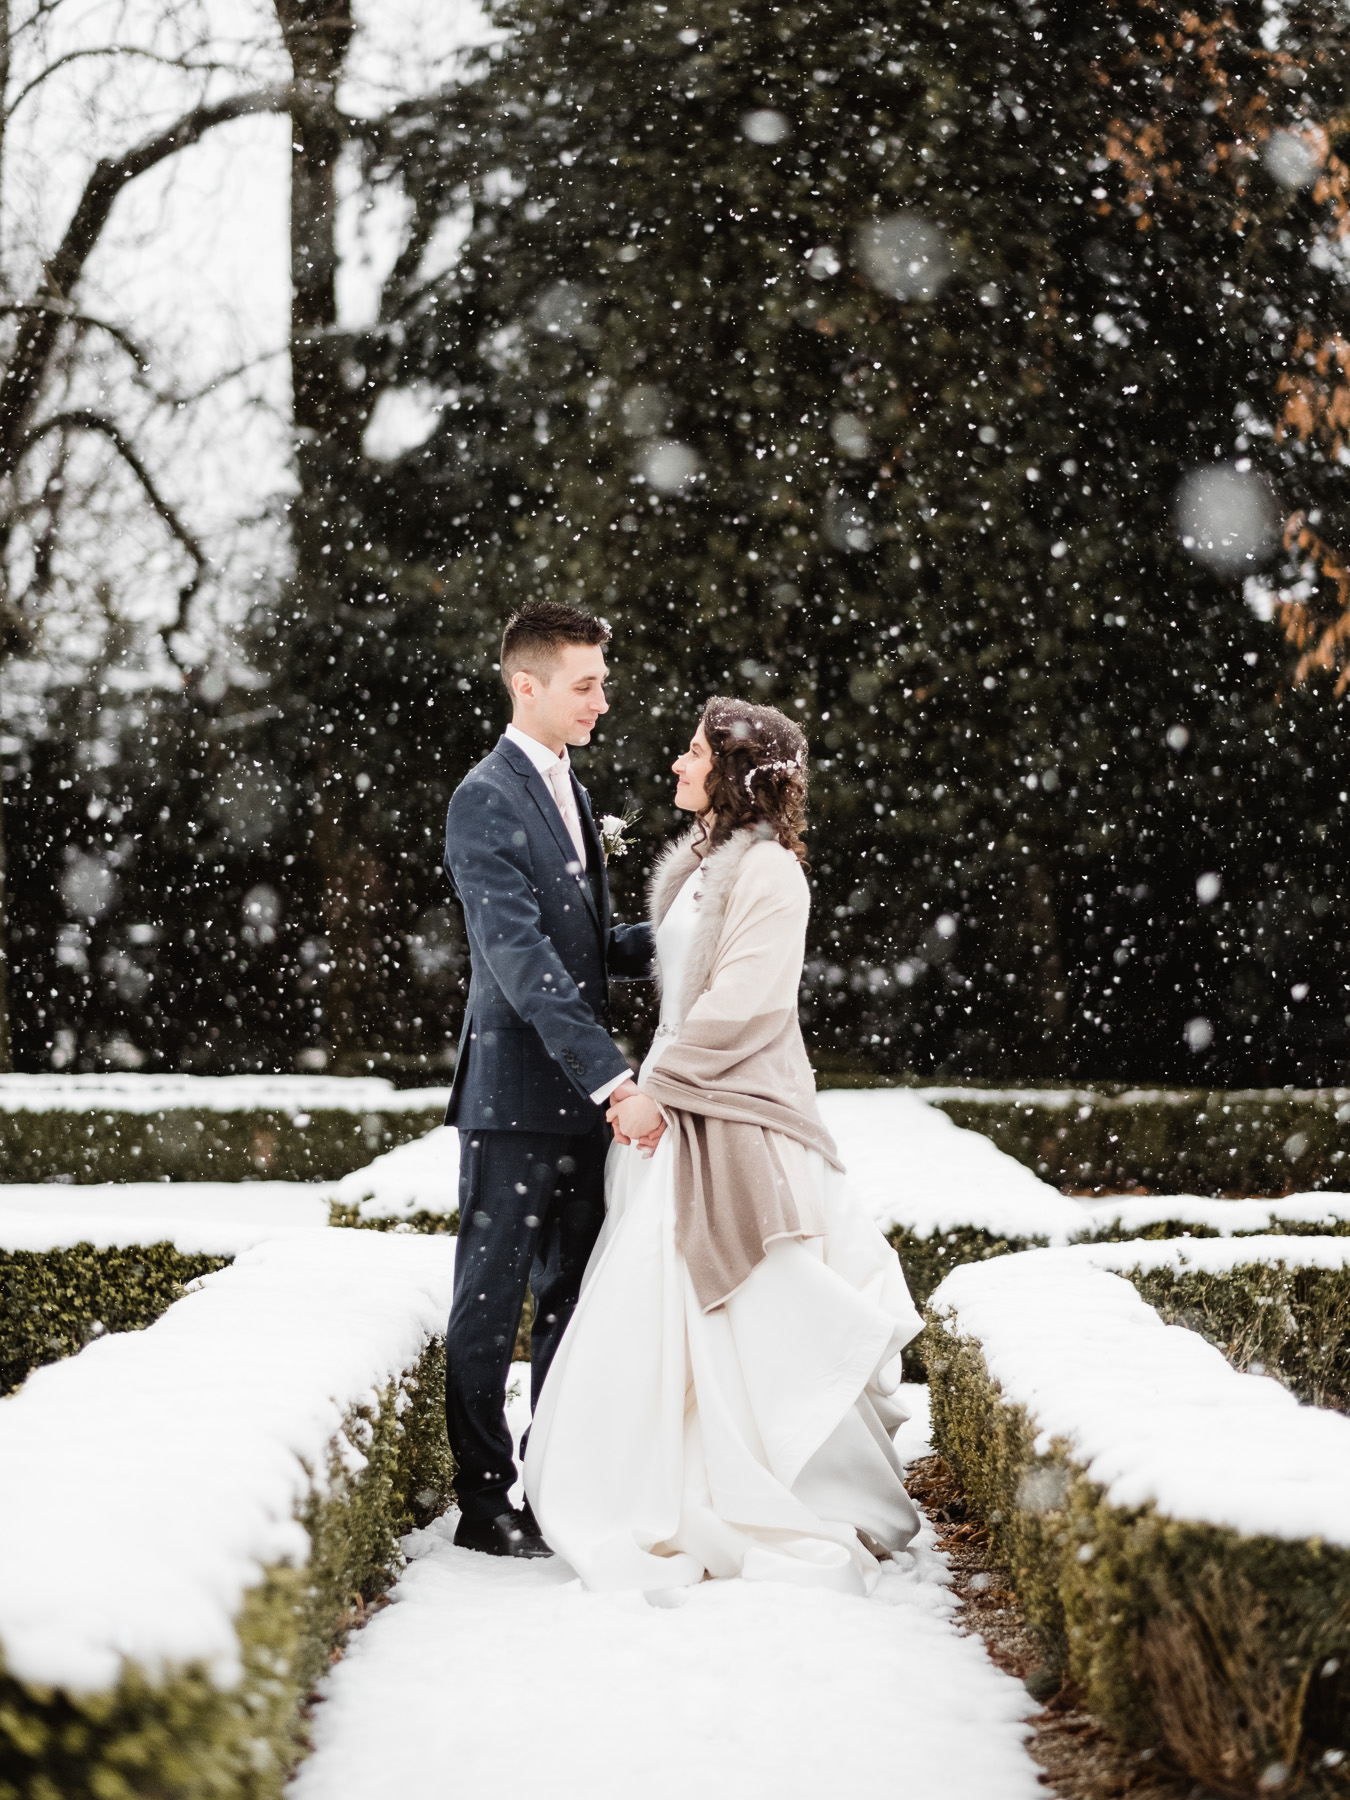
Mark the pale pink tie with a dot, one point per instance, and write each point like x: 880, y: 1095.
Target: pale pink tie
x: 560, y: 781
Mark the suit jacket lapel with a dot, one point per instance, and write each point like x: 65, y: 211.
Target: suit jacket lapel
x: 537, y: 788
x: 595, y: 852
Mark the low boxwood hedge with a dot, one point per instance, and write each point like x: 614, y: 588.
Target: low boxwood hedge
x: 927, y: 1259
x: 1231, y: 1652
x: 198, y: 1144
x: 347, y: 1213
x: 1199, y: 1141
x: 1268, y: 1319
x: 53, y: 1302
x: 179, y: 1736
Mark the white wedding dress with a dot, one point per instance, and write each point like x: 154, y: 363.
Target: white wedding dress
x: 753, y: 1440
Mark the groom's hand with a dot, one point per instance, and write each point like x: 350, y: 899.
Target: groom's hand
x: 624, y: 1091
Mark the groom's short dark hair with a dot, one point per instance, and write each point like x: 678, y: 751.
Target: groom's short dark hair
x: 537, y: 632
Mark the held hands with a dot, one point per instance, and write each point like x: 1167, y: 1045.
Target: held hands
x: 635, y: 1117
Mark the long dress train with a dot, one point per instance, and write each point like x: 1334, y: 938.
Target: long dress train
x: 752, y: 1440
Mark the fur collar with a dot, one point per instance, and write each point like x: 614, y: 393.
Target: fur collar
x: 718, y: 878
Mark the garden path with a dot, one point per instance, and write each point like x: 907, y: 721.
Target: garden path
x: 487, y: 1676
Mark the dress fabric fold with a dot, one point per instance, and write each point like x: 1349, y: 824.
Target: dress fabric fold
x: 753, y: 1438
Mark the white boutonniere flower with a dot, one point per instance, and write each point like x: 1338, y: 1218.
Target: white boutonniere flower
x: 613, y: 833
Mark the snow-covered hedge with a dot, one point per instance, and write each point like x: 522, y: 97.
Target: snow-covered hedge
x: 412, y: 1188
x: 54, y: 1302
x: 1272, y: 1308
x: 76, y: 1262
x: 946, y: 1195
x: 186, y: 1513
x: 1210, y: 1141
x: 1177, y: 1529
x: 97, y: 1128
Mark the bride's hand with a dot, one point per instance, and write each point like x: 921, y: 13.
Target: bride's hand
x: 636, y: 1119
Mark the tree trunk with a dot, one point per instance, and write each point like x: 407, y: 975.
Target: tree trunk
x: 6, y: 1035
x: 327, y: 428
x: 6, y: 1029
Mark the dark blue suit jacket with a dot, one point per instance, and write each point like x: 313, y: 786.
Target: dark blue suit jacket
x: 543, y: 949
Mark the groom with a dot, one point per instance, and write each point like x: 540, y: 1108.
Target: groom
x: 537, y: 1066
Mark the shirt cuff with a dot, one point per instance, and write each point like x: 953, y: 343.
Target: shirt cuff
x: 601, y: 1094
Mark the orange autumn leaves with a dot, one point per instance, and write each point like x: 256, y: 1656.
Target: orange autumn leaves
x: 1236, y: 78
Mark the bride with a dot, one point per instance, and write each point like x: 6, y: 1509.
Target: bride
x: 723, y: 1402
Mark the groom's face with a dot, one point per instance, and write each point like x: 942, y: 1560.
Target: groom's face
x: 564, y: 706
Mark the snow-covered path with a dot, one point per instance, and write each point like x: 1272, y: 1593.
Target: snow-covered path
x: 489, y: 1676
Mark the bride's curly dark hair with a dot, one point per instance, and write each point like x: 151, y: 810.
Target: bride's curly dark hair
x: 758, y: 774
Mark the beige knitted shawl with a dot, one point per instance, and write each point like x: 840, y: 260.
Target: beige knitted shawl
x: 735, y: 1081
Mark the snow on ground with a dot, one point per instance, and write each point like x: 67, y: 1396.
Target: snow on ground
x: 910, y: 1164
x: 214, y: 1218
x: 422, y: 1176
x: 913, y: 1167
x: 147, y: 1482
x: 1152, y: 1412
x: 485, y: 1670
x: 213, y: 1093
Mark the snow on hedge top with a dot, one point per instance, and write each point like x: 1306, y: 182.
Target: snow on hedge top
x: 1092, y: 1099
x: 212, y: 1218
x: 914, y: 1168
x: 1227, y: 1217
x: 213, y: 1093
x: 1220, y: 1256
x: 422, y: 1176
x: 146, y: 1483
x: 1152, y: 1412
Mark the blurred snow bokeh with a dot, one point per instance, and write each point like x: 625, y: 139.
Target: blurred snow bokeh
x: 1226, y: 516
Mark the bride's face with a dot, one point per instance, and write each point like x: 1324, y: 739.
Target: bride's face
x: 693, y: 768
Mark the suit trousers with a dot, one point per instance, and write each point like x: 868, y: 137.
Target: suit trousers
x: 531, y: 1205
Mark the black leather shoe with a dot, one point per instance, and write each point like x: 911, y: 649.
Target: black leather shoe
x: 509, y: 1534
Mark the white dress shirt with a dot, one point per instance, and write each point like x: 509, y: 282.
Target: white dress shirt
x: 557, y: 774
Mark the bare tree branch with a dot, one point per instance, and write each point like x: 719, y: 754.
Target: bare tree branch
x: 79, y: 419
x: 109, y: 50
x: 36, y: 338
x: 72, y: 316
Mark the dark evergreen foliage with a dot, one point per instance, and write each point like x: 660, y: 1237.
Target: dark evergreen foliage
x: 931, y: 509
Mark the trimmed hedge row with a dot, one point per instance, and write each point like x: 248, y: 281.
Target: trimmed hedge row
x: 1232, y: 1652
x: 1199, y: 1141
x: 187, y: 1738
x: 928, y: 1260
x: 1268, y: 1319
x: 348, y: 1214
x: 197, y: 1144
x: 54, y: 1302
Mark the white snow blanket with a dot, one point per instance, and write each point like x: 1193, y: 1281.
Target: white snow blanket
x: 917, y: 1170
x: 914, y: 1168
x: 1227, y: 1217
x: 1061, y: 1099
x: 909, y: 1163
x: 1152, y: 1412
x: 422, y: 1176
x: 146, y: 1483
x: 213, y: 1218
x: 731, y: 1690
x: 1218, y: 1256
x: 294, y: 1094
